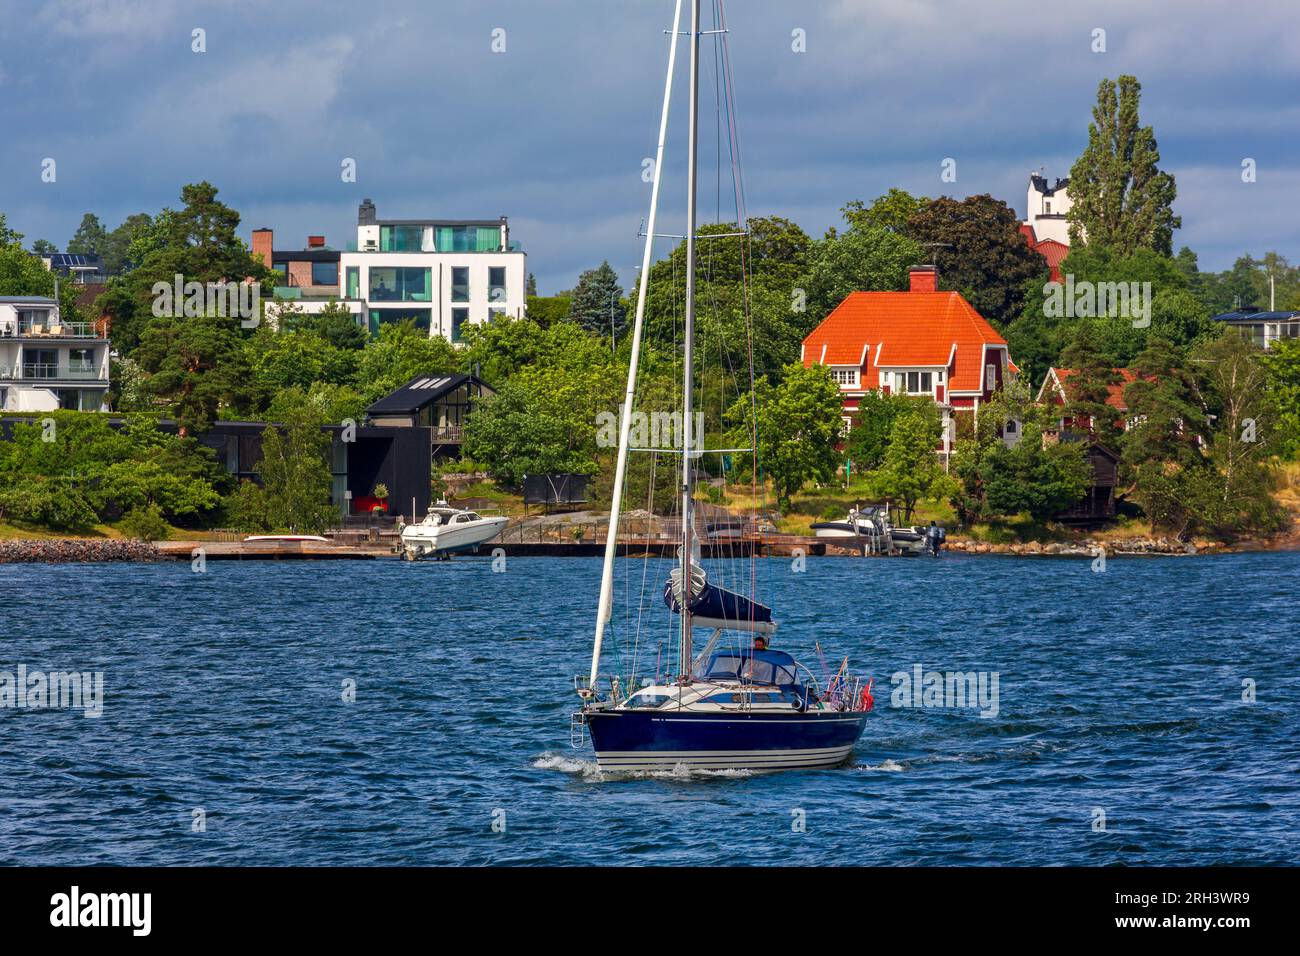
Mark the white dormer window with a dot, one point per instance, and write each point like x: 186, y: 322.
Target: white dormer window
x: 990, y: 377
x: 845, y: 377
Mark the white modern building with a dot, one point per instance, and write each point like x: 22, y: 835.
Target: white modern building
x: 440, y: 274
x: 1046, y: 209
x: 46, y: 363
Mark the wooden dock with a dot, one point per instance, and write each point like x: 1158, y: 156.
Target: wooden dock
x: 355, y: 548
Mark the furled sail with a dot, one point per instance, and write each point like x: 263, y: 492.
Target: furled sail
x: 712, y: 606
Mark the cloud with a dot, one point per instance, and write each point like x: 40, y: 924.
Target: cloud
x: 552, y: 133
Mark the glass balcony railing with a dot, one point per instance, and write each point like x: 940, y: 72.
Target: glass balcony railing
x: 49, y: 371
x: 53, y: 330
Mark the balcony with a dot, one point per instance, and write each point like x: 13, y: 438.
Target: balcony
x: 448, y: 434
x: 51, y: 372
x: 53, y: 330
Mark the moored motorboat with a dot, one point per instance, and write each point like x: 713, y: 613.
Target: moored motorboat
x: 446, y: 530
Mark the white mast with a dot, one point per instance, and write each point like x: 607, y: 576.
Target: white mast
x: 625, y: 419
x: 688, y: 392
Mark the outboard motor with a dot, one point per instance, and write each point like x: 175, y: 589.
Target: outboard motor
x: 935, y: 536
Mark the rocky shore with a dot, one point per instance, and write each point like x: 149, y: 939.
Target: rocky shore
x: 71, y: 550
x: 1087, y: 548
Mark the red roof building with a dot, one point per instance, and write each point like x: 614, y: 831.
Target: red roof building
x: 919, y: 342
x: 1050, y: 249
x: 1056, y: 390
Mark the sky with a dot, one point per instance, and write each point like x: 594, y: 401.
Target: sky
x: 552, y: 130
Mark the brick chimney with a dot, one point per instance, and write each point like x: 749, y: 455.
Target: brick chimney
x: 263, y: 240
x: 923, y: 279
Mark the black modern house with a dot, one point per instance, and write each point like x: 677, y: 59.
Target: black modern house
x: 440, y: 403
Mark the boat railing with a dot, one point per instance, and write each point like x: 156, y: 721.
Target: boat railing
x: 608, y: 689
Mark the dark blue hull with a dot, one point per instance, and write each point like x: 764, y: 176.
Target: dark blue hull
x: 664, y: 740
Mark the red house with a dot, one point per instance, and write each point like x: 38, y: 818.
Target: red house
x: 919, y: 342
x: 1055, y: 390
x: 1050, y: 249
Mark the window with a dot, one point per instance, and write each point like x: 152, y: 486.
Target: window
x: 458, y: 318
x: 283, y: 269
x: 324, y: 273
x: 401, y: 238
x: 914, y: 383
x: 990, y: 377
x: 40, y: 363
x: 378, y: 317
x: 400, y: 285
x: 354, y: 282
x: 1011, y: 427
x: 468, y: 239
x: 496, y: 283
x: 81, y: 363
x: 845, y: 376
x: 1047, y: 206
x: 459, y: 283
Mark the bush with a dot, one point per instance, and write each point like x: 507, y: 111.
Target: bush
x: 49, y: 504
x: 145, y: 522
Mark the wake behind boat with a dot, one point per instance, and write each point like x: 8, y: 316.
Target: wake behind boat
x: 742, y: 708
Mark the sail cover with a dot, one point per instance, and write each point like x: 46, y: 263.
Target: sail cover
x: 713, y: 606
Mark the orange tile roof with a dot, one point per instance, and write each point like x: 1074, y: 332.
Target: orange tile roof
x: 1115, y: 393
x: 905, y: 329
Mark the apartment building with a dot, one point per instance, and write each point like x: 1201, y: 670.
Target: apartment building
x: 47, y: 363
x: 441, y: 274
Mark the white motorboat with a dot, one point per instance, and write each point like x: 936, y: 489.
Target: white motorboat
x: 445, y: 530
x: 858, y: 524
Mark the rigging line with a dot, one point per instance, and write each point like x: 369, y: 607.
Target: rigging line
x: 717, y: 113
x: 742, y: 204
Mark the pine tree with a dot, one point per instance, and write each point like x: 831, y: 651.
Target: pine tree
x: 1087, y: 387
x: 89, y: 238
x: 1119, y: 198
x: 597, y: 301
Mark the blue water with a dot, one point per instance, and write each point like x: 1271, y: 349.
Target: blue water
x: 223, y: 691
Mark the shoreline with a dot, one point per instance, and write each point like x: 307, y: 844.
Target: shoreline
x: 130, y: 551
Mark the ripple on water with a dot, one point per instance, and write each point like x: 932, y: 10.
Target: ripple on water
x: 223, y: 692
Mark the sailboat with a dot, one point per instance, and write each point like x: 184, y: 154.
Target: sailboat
x: 728, y: 708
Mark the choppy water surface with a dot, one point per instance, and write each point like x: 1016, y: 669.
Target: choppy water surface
x: 224, y: 691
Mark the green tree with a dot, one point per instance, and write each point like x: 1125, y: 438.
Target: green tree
x: 1033, y: 476
x: 869, y: 436
x: 196, y: 366
x: 795, y: 429
x: 1119, y: 198
x: 1087, y: 387
x: 89, y: 238
x: 1166, y: 420
x: 22, y: 273
x: 295, y: 472
x: 199, y: 242
x: 1231, y: 385
x: 548, y: 310
x: 397, y: 355
x: 890, y: 211
x: 976, y: 245
x: 116, y: 246
x: 869, y: 259
x: 542, y: 421
x: 43, y: 247
x: 597, y: 303
x: 911, y: 470
x: 1282, y: 366
x: 8, y: 236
